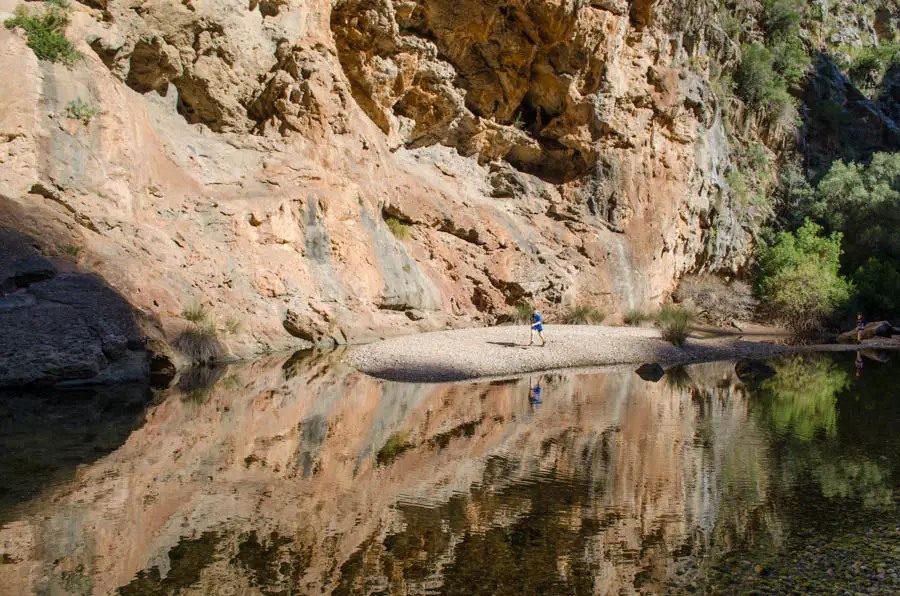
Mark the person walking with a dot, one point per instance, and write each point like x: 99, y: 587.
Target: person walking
x: 537, y: 324
x: 860, y: 327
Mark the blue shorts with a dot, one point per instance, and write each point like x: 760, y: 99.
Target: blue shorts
x: 538, y: 327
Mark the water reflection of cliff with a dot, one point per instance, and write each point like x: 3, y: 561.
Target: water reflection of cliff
x: 302, y: 476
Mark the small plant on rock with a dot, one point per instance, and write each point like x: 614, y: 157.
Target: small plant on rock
x: 519, y: 122
x: 582, y: 314
x: 72, y: 250
x: 400, y: 229
x: 233, y: 325
x: 45, y: 29
x: 195, y: 314
x: 79, y: 110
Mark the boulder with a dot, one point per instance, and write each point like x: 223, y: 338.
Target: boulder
x: 876, y: 329
x: 651, y: 372
x: 46, y: 344
x: 302, y: 327
x: 749, y: 371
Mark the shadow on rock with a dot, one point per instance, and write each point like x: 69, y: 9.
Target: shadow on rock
x: 62, y: 325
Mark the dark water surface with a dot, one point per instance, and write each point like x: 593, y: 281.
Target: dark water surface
x: 301, y: 476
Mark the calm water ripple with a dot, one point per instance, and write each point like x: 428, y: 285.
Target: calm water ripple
x: 302, y: 476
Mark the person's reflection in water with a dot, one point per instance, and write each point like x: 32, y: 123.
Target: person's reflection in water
x: 534, y: 391
x: 859, y: 364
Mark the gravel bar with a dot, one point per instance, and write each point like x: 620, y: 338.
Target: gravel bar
x: 498, y: 352
x: 504, y: 351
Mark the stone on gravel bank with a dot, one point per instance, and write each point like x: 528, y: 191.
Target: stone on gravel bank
x: 872, y: 330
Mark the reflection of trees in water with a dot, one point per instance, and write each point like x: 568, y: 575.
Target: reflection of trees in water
x: 800, y: 403
x: 800, y: 399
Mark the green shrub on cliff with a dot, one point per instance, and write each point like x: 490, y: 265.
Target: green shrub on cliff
x: 45, y: 28
x: 400, y: 229
x: 799, y: 281
x: 782, y: 18
x: 871, y: 63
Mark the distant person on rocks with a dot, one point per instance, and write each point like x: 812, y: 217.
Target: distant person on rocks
x: 860, y: 327
x: 537, y: 324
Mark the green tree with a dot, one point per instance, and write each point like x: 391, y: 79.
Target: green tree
x: 878, y: 287
x: 782, y: 18
x: 863, y: 202
x: 798, y: 278
x: 756, y: 78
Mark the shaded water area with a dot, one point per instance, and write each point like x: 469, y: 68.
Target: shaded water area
x: 301, y: 476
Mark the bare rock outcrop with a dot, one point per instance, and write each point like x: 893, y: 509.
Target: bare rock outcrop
x: 373, y: 166
x: 62, y: 326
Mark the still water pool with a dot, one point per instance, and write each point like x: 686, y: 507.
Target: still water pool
x: 302, y: 476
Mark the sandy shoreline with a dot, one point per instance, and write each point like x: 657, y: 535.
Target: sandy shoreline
x: 494, y: 352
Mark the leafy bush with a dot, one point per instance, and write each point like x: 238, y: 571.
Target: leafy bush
x: 582, y: 314
x: 781, y: 18
x: 756, y: 79
x: 790, y: 60
x: 398, y: 228
x: 635, y: 317
x: 863, y: 202
x: 768, y: 69
x: 45, y: 28
x: 878, y: 287
x: 675, y: 323
x: 79, y: 110
x: 871, y: 63
x: 799, y: 280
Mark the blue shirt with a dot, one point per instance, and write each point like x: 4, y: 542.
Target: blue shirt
x: 537, y: 320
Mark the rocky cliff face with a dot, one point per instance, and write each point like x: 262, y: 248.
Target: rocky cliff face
x: 324, y: 171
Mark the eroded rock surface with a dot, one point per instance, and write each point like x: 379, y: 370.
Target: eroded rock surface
x: 333, y: 172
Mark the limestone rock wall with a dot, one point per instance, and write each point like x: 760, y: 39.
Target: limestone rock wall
x: 248, y: 157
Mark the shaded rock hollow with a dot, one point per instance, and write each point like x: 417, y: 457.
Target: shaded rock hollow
x: 309, y: 172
